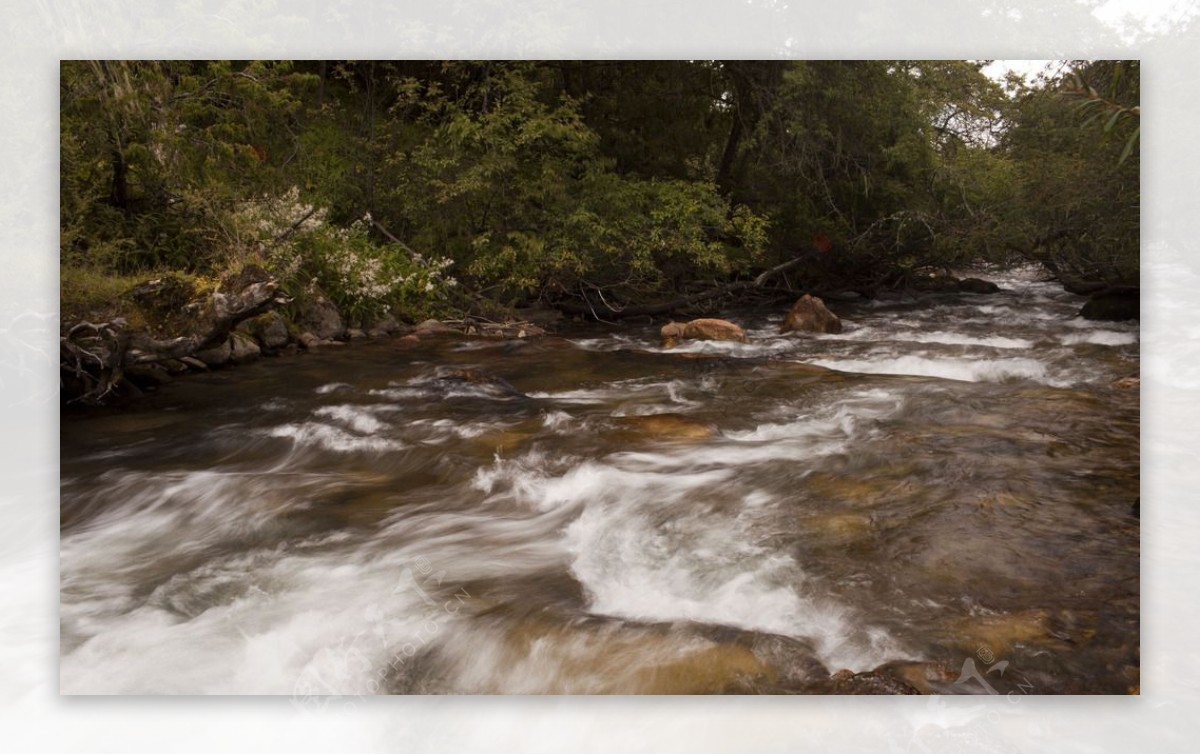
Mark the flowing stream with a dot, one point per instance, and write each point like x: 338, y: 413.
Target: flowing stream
x: 947, y: 487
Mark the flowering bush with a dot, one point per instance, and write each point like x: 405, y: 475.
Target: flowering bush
x: 364, y: 279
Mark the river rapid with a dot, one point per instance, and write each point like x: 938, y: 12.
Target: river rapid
x: 943, y: 494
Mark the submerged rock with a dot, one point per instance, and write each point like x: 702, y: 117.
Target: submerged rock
x: 1130, y: 381
x: 490, y: 384
x: 671, y: 426
x: 810, y: 315
x: 926, y: 677
x: 1082, y: 287
x: 842, y: 527
x: 999, y: 632
x: 545, y: 653
x: 877, y: 682
x: 976, y: 286
x: 1113, y: 304
x: 703, y: 329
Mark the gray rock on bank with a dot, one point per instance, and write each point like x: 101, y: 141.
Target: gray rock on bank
x: 270, y: 330
x: 322, y: 319
x: 243, y: 348
x: 215, y: 356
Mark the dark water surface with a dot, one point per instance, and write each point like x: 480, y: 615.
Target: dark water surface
x: 949, y: 480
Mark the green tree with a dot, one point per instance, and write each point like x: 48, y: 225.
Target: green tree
x: 1077, y: 206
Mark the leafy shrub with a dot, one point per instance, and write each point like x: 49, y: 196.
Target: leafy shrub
x: 364, y: 279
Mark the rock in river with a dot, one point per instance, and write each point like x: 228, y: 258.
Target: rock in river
x: 1113, y: 303
x: 977, y: 286
x: 810, y: 315
x: 704, y: 329
x: 669, y: 426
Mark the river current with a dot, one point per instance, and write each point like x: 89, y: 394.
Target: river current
x: 946, y: 492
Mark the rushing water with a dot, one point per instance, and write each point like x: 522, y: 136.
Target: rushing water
x: 949, y: 480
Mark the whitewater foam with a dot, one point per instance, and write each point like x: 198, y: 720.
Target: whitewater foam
x: 332, y: 438
x: 970, y: 370
x: 1102, y: 337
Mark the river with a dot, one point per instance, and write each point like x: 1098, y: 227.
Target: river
x: 945, y: 492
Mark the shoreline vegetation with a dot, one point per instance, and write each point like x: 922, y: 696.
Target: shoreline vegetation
x: 215, y: 211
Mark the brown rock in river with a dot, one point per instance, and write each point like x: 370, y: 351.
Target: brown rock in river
x: 877, y: 682
x: 810, y: 315
x: 672, y: 426
x: 704, y: 329
x: 1130, y: 381
x: 977, y: 286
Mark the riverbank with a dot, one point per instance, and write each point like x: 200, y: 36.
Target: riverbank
x: 161, y: 307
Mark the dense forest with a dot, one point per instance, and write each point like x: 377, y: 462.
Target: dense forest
x: 598, y: 188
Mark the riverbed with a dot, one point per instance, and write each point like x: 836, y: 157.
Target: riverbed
x: 942, y: 498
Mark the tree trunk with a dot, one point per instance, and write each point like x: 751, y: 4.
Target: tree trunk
x: 119, y: 192
x: 725, y: 170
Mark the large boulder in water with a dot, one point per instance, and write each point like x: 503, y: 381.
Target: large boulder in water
x: 810, y: 315
x: 1114, y: 303
x: 976, y: 286
x: 704, y: 329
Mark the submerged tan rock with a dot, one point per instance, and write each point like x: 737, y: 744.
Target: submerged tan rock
x: 669, y: 426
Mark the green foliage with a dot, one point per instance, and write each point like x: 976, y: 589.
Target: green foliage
x: 633, y: 237
x: 156, y: 154
x: 510, y: 181
x: 627, y: 180
x: 1078, y: 195
x: 88, y: 293
x: 837, y: 154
